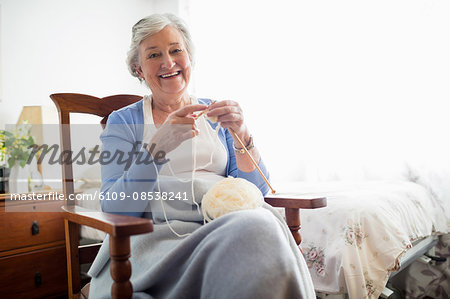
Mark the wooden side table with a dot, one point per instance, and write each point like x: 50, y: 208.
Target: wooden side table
x: 32, y: 247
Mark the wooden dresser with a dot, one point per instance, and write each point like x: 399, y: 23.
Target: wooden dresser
x: 32, y: 248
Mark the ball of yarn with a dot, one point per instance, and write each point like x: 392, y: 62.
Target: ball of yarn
x: 228, y: 195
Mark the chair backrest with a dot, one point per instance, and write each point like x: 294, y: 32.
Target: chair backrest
x: 67, y: 103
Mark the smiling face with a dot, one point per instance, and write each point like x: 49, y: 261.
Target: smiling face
x: 165, y: 63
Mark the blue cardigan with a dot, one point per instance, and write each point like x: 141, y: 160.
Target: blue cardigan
x: 122, y: 184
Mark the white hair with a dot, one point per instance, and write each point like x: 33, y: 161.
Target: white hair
x: 149, y: 26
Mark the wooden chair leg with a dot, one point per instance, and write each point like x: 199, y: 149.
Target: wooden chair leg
x: 119, y: 250
x: 72, y: 233
x: 293, y: 222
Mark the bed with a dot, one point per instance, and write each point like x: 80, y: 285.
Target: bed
x: 369, y: 230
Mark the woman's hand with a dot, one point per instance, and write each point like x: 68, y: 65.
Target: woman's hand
x: 178, y: 127
x: 230, y: 115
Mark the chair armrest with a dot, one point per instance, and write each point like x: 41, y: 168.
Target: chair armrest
x: 295, y: 202
x: 115, y: 225
x: 292, y: 204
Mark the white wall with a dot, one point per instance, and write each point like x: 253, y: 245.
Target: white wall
x: 51, y: 46
x: 331, y: 88
x: 352, y: 80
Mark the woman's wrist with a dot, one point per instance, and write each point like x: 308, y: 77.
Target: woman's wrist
x: 248, y: 146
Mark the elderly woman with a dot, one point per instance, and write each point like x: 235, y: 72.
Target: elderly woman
x: 243, y: 254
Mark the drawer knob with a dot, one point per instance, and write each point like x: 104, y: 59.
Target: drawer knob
x: 37, y: 279
x: 35, y: 228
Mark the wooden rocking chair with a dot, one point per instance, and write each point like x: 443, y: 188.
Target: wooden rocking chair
x: 119, y: 227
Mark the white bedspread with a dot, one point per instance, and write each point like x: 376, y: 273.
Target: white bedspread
x: 352, y: 245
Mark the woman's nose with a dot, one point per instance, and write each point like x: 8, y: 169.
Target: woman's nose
x: 168, y: 62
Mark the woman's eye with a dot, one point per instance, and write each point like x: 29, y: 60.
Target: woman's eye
x: 176, y: 50
x: 153, y: 55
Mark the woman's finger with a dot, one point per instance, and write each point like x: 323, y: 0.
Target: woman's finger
x: 189, y: 109
x: 225, y: 124
x: 232, y: 117
x: 222, y: 104
x: 223, y: 110
x: 229, y: 124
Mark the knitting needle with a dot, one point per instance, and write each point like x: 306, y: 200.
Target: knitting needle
x: 200, y: 114
x: 251, y: 158
x: 204, y: 111
x: 245, y: 149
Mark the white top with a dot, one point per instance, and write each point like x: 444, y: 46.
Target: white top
x: 210, y: 154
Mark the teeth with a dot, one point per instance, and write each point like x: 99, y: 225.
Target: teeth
x: 170, y: 75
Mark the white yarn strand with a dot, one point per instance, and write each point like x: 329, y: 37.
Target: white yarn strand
x: 164, y: 211
x: 194, y: 169
x: 211, y: 138
x: 194, y: 162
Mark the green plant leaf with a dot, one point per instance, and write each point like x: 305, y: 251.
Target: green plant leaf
x: 9, y: 142
x: 11, y: 162
x: 8, y: 134
x: 22, y: 163
x: 29, y: 142
x: 16, y: 145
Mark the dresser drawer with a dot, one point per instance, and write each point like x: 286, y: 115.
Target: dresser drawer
x: 37, y: 274
x: 21, y: 229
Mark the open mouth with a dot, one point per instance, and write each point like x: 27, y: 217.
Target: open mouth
x: 170, y: 75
